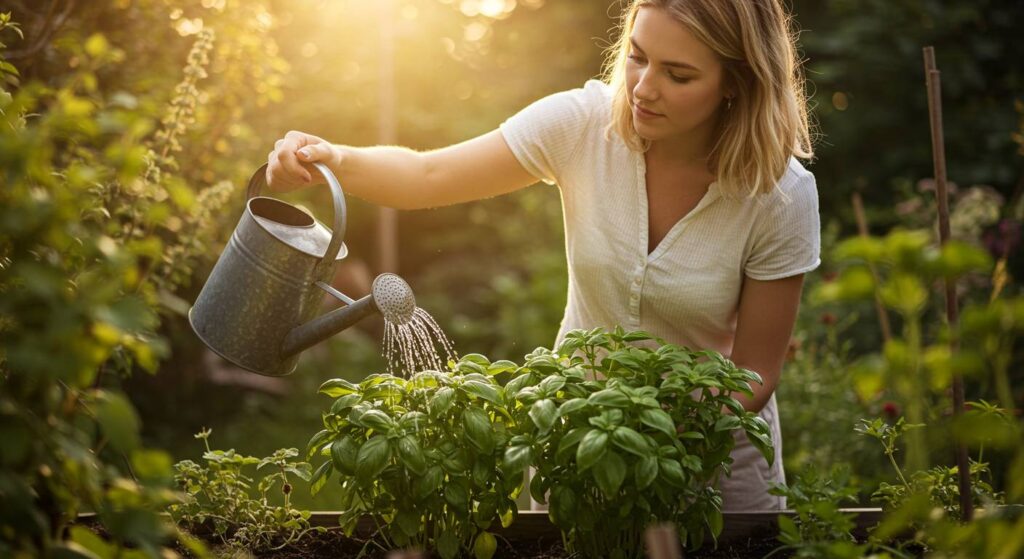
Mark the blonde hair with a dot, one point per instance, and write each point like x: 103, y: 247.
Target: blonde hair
x: 768, y: 120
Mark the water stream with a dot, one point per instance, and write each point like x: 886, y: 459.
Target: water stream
x: 414, y: 345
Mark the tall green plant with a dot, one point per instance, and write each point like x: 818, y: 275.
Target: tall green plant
x: 925, y: 500
x: 911, y: 366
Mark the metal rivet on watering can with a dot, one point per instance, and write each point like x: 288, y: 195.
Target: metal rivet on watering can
x: 258, y: 309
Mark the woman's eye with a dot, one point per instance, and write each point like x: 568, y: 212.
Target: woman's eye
x: 635, y: 58
x: 679, y: 79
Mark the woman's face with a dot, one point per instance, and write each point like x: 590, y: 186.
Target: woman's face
x: 674, y: 82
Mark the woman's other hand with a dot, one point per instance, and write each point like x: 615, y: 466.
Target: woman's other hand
x: 289, y: 165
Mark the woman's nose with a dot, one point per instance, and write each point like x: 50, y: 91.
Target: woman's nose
x: 644, y: 89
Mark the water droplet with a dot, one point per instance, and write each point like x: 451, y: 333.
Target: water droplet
x: 413, y: 346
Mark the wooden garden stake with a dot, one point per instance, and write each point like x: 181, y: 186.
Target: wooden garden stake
x: 663, y: 542
x: 939, y: 157
x: 862, y: 228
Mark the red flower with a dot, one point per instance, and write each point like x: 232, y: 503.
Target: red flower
x: 792, y: 348
x: 828, y: 319
x: 891, y: 410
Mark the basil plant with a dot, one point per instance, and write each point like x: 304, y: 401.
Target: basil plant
x: 624, y: 436
x: 421, y: 456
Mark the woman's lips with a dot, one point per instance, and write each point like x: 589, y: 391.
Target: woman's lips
x: 643, y: 113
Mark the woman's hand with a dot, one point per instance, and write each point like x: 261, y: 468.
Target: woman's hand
x: 289, y: 165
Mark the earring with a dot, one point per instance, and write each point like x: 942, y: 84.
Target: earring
x: 728, y: 103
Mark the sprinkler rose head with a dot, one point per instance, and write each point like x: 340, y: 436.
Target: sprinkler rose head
x: 394, y: 298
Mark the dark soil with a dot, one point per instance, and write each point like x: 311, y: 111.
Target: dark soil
x: 335, y: 545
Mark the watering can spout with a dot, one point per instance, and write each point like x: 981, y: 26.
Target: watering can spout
x: 390, y: 296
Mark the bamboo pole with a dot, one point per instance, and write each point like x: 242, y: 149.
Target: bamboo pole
x: 862, y: 228
x: 933, y: 83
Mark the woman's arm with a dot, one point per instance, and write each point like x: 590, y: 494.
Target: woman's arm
x: 400, y: 177
x: 764, y: 324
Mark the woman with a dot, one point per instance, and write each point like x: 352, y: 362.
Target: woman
x: 686, y: 213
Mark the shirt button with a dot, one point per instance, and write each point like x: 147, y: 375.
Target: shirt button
x: 636, y: 281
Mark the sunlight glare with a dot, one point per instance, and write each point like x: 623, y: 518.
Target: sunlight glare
x: 497, y: 8
x: 476, y: 31
x: 470, y: 8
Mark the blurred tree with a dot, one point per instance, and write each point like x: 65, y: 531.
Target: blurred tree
x: 866, y: 68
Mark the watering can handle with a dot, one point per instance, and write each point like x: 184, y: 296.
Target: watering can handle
x: 259, y: 179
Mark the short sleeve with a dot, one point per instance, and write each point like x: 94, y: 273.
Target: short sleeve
x: 545, y: 135
x: 788, y: 239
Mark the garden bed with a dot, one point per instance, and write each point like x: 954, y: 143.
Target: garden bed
x: 744, y: 535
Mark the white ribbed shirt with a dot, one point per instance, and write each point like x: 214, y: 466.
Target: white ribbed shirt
x: 687, y: 290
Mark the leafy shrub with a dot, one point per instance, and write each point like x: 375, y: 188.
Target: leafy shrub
x: 938, y: 484
x: 99, y: 228
x: 820, y: 529
x: 623, y: 436
x: 222, y: 494
x: 421, y: 456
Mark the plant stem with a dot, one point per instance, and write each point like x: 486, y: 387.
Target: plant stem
x: 917, y: 451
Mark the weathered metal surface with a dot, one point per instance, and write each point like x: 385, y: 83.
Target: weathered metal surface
x: 264, y: 283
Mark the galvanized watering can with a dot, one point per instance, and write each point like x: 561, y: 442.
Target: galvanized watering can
x: 259, y: 306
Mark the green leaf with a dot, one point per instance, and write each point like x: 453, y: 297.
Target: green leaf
x: 658, y: 419
x: 563, y: 507
x: 429, y: 483
x: 152, y: 465
x: 372, y: 459
x: 337, y: 387
x: 478, y: 429
x: 484, y: 391
x: 609, y: 397
x: 787, y: 527
x: 320, y: 477
x: 513, y: 386
x: 715, y: 522
x: 516, y: 458
x: 646, y: 471
x: 672, y: 472
x: 609, y: 473
x: 905, y: 293
x: 551, y: 385
x: 728, y: 423
x: 118, y: 420
x: 456, y: 495
x: 344, y: 455
x: 573, y: 405
x: 412, y: 455
x: 441, y: 401
x: 629, y: 440
x: 501, y: 366
x: 345, y: 402
x: 302, y: 470
x: 543, y: 413
x: 376, y: 420
x: 569, y: 442
x: 316, y: 442
x: 448, y: 544
x: 408, y: 521
x: 591, y: 449
x: 484, y: 546
x: 91, y: 544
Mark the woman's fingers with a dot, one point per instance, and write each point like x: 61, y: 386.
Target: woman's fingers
x: 290, y: 165
x: 321, y: 152
x: 284, y: 170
